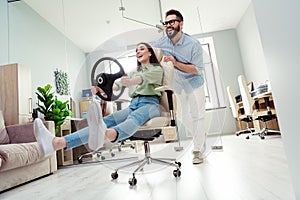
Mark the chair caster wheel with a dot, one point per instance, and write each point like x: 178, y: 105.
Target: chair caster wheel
x: 247, y: 137
x: 114, y: 175
x: 102, y: 157
x: 178, y: 163
x: 262, y: 137
x: 132, y: 181
x: 177, y: 173
x: 79, y: 160
x: 112, y: 154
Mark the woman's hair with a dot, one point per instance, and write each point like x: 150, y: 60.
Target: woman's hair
x: 153, y: 58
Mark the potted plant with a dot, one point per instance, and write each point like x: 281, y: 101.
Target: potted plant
x: 52, y: 108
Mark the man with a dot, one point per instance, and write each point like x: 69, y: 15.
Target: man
x: 185, y: 53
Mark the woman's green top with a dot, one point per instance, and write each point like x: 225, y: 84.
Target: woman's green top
x: 152, y: 78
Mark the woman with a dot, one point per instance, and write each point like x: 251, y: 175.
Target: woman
x: 119, y: 125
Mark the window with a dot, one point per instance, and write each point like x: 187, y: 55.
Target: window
x: 214, y: 94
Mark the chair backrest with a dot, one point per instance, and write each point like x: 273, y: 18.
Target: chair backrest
x: 247, y: 100
x: 233, y: 105
x: 168, y: 76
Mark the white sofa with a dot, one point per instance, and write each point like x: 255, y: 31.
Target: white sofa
x: 21, y: 160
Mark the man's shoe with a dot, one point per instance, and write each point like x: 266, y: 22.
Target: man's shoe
x: 197, y: 159
x: 97, y: 126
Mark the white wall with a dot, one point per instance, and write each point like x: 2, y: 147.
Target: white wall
x: 278, y: 24
x: 251, y: 49
x: 230, y: 66
x: 3, y: 32
x: 35, y: 43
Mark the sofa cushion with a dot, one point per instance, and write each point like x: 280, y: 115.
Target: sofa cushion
x: 4, y: 139
x: 18, y: 155
x: 21, y: 133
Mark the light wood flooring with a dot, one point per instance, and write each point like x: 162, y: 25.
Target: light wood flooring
x: 244, y: 170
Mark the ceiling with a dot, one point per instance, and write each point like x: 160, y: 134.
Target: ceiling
x: 94, y: 24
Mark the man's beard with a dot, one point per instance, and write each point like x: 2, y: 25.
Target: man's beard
x: 175, y: 31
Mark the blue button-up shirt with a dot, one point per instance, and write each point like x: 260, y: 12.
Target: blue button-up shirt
x: 187, y: 50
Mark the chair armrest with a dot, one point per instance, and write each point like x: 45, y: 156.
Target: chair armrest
x: 164, y: 88
x: 168, y: 100
x: 23, y: 133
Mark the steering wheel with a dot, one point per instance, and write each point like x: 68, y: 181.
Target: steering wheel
x: 105, y: 81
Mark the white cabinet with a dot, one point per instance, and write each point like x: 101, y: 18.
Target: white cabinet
x: 15, y: 90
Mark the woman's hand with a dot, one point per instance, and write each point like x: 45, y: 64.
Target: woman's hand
x: 95, y: 90
x: 125, y: 81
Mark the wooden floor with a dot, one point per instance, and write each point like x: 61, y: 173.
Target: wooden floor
x: 244, y: 169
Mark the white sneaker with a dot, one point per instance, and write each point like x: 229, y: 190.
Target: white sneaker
x: 43, y: 137
x: 197, y: 159
x: 97, y: 126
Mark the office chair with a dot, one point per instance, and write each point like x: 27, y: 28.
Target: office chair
x: 235, y: 113
x: 269, y: 115
x: 249, y: 103
x: 155, y: 126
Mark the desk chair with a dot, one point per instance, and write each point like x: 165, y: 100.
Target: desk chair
x: 266, y: 116
x: 235, y: 113
x: 155, y: 126
x: 249, y: 103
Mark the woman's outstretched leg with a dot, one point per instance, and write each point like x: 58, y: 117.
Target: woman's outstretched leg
x: 47, y: 142
x: 97, y: 126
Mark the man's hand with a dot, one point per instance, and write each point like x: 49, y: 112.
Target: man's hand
x: 188, y: 68
x: 171, y: 58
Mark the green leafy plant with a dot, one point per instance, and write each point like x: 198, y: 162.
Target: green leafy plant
x: 52, y: 108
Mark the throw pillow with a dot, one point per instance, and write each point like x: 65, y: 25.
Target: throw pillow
x: 4, y: 139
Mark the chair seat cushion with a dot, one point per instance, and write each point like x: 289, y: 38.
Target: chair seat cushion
x: 265, y: 118
x: 156, y: 122
x: 151, y: 129
x: 146, y: 135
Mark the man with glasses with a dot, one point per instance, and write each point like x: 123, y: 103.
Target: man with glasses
x: 185, y: 52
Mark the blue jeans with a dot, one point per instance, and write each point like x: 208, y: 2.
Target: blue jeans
x: 126, y: 122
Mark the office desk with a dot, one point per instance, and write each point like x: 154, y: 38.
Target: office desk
x: 260, y: 101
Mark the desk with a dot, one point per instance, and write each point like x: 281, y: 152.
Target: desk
x: 84, y: 104
x: 261, y: 101
x: 67, y: 157
x: 261, y: 109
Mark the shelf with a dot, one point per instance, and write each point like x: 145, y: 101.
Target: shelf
x: 64, y: 157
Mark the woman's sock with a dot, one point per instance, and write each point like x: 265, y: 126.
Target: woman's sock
x: 43, y: 137
x: 97, y: 126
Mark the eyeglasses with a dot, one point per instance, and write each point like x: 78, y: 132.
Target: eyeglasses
x: 171, y: 22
